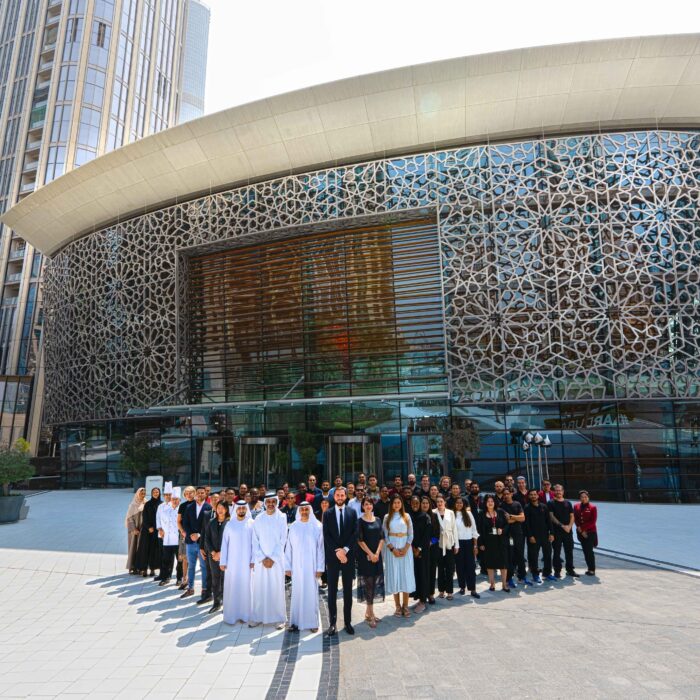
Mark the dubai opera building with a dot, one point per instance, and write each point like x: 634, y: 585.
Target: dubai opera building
x: 409, y: 271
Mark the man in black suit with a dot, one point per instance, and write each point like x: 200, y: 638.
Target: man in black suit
x: 340, y: 541
x: 194, y: 519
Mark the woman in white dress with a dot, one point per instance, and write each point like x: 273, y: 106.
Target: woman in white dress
x: 399, y: 577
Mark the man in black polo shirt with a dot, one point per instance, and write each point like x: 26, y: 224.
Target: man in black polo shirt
x: 381, y: 507
x: 561, y: 513
x: 538, y: 530
x: 516, y: 538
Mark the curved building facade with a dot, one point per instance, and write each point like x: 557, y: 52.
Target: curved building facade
x: 525, y: 306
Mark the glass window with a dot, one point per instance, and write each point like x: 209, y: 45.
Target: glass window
x: 93, y: 92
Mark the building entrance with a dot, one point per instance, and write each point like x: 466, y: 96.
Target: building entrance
x: 263, y: 460
x: 348, y: 455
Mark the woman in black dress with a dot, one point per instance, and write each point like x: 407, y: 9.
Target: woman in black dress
x: 370, y: 570
x: 422, y: 532
x: 493, y: 542
x: 148, y: 554
x: 427, y: 504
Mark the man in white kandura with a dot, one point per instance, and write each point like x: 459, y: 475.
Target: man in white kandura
x: 269, y: 537
x: 237, y: 561
x: 304, y: 562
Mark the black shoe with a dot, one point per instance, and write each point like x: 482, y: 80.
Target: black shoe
x: 349, y: 629
x: 215, y: 607
x: 188, y: 593
x: 164, y: 582
x: 331, y: 631
x: 557, y: 574
x: 573, y: 574
x: 293, y: 628
x: 204, y: 599
x: 461, y: 591
x: 183, y: 586
x: 157, y: 578
x: 590, y: 573
x: 431, y: 600
x: 474, y: 594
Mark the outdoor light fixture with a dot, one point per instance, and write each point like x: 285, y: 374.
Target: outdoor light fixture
x: 546, y: 443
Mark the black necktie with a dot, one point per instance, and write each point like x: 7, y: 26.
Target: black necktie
x: 340, y: 530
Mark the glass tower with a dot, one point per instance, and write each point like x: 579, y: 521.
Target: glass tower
x: 78, y: 78
x: 194, y: 69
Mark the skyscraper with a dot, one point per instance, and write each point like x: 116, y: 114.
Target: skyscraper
x: 194, y: 67
x: 78, y: 78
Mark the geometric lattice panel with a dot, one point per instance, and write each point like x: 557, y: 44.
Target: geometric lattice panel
x: 571, y: 270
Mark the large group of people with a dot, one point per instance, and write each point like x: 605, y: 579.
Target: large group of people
x: 405, y: 540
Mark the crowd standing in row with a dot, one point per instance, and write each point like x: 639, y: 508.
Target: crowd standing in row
x: 405, y: 541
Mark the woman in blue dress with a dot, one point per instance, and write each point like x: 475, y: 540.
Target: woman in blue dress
x: 399, y: 578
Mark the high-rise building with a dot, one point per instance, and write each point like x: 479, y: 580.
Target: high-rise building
x: 194, y: 64
x: 78, y: 78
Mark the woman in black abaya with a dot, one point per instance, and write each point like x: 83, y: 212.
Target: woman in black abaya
x: 148, y: 555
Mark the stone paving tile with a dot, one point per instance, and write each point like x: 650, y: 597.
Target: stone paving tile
x: 632, y: 633
x: 76, y: 625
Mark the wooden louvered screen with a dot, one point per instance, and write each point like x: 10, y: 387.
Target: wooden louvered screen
x: 347, y: 313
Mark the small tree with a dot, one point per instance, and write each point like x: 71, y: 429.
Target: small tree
x: 308, y: 458
x: 138, y: 454
x: 14, y: 465
x: 462, y: 440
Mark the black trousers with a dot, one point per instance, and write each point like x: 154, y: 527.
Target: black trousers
x: 567, y: 540
x: 445, y: 571
x: 216, y: 578
x: 179, y: 569
x: 335, y: 571
x: 466, y: 565
x: 433, y: 559
x: 516, y: 555
x: 421, y: 571
x: 169, y: 552
x: 587, y: 545
x: 533, y: 552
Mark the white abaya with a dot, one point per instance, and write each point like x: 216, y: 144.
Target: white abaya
x: 269, y: 535
x: 304, y: 557
x: 237, y: 556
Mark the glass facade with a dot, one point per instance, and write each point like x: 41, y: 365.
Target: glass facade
x: 621, y: 451
x: 422, y: 313
x: 349, y: 313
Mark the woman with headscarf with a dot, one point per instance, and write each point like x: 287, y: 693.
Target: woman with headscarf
x: 132, y: 522
x: 148, y: 555
x: 304, y: 559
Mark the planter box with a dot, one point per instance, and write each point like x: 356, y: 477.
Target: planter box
x: 10, y: 508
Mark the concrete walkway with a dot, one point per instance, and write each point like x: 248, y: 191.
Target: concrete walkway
x: 76, y: 625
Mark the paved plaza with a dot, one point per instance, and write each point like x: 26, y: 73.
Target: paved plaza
x: 75, y: 625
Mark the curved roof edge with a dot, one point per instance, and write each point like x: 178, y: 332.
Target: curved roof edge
x: 638, y: 82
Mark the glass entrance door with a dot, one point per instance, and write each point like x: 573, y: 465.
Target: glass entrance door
x: 209, y: 460
x: 348, y: 455
x: 263, y: 460
x: 427, y: 455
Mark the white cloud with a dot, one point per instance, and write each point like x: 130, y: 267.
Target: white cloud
x: 266, y: 47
